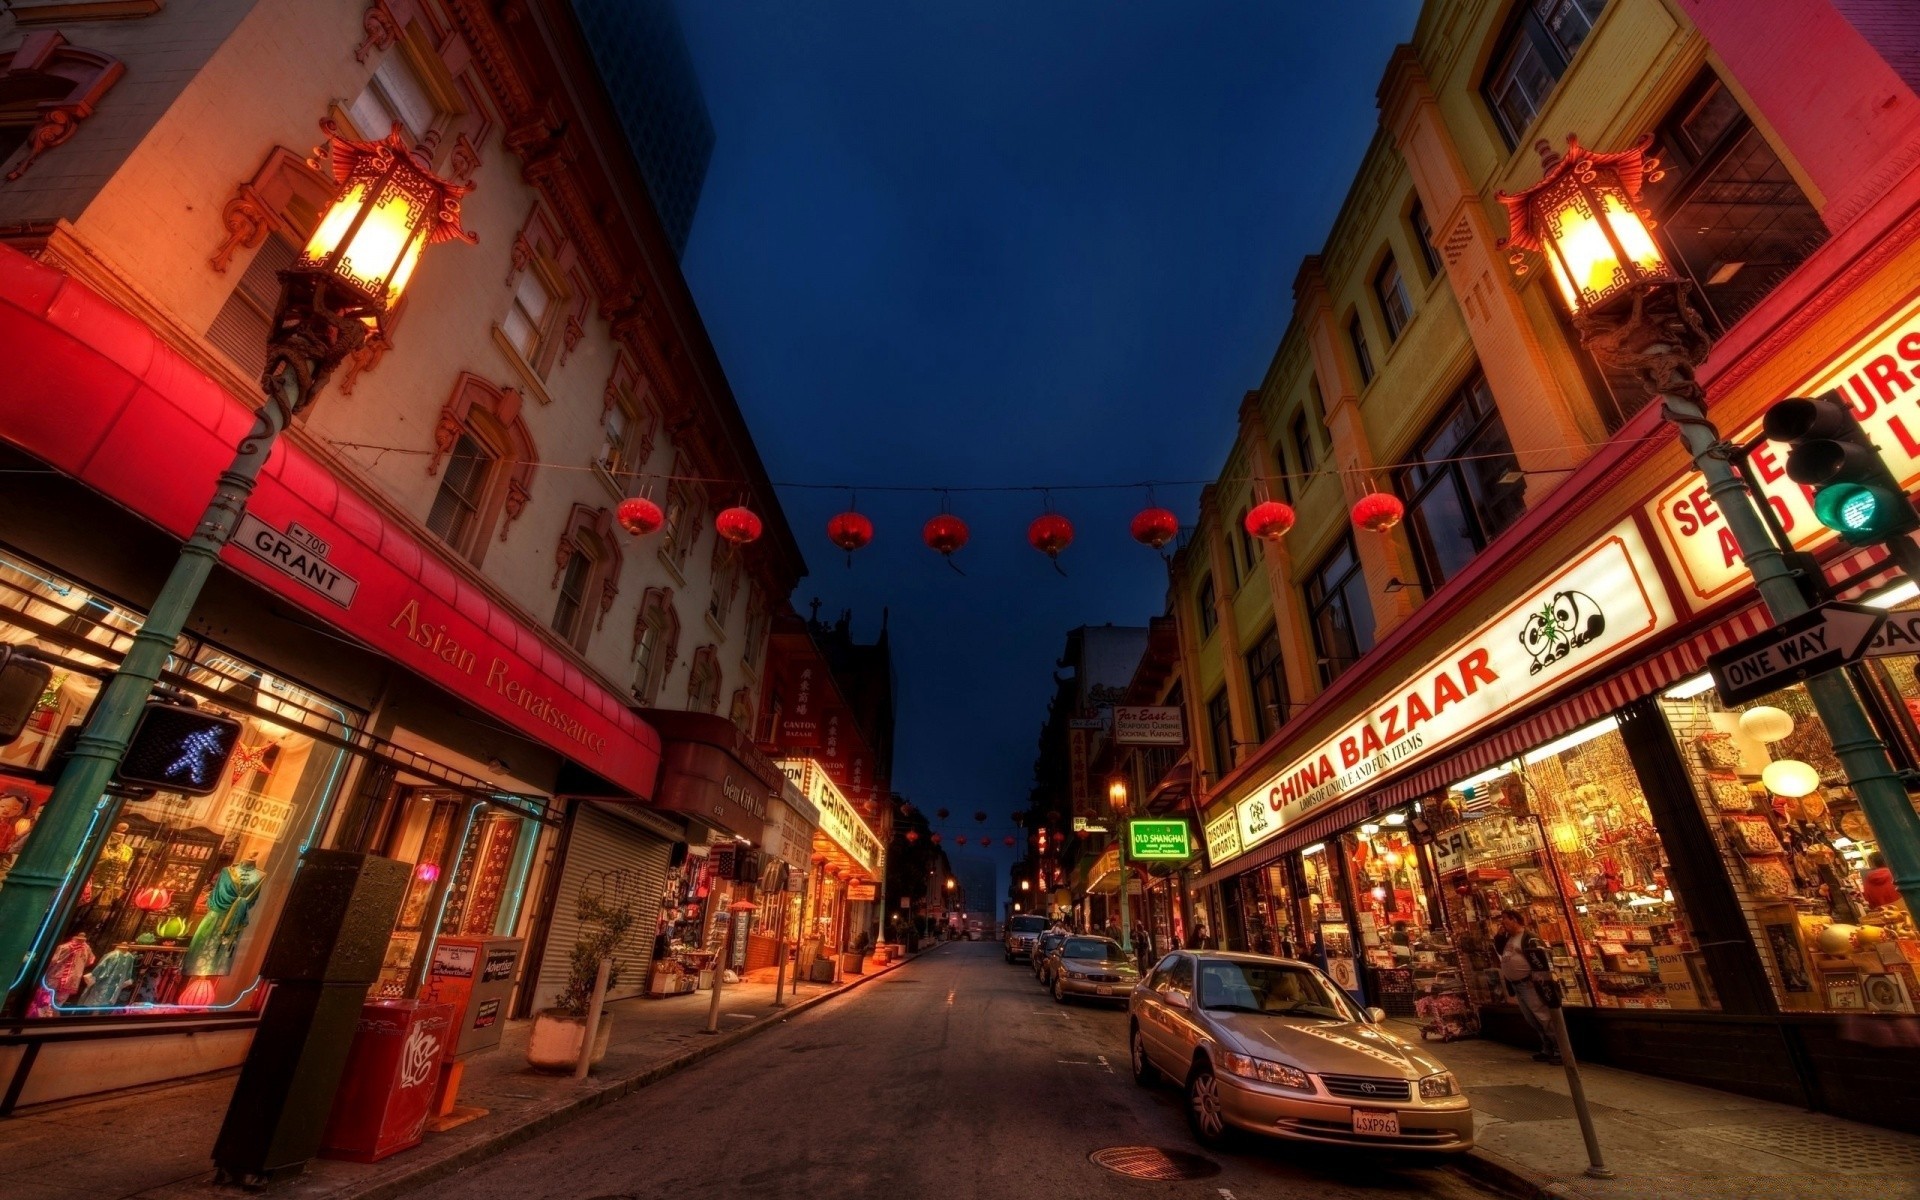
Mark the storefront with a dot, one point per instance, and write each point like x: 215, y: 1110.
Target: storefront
x: 844, y: 887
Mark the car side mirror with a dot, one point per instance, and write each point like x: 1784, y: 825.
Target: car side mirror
x: 1178, y: 1000
x: 1376, y: 1015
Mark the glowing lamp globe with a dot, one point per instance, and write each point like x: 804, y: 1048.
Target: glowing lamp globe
x: 1378, y: 512
x: 1584, y: 218
x: 1050, y: 533
x: 427, y: 872
x: 738, y: 525
x: 945, y: 533
x: 1790, y: 777
x: 1155, y: 527
x: 1764, y: 723
x: 850, y: 531
x: 639, y: 516
x: 152, y: 899
x: 1270, y: 520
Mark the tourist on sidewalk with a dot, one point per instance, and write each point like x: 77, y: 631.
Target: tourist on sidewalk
x: 1524, y: 982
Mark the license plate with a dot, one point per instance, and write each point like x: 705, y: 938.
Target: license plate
x: 1376, y: 1122
x: 1104, y: 991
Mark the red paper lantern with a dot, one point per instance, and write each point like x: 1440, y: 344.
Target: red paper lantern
x: 980, y: 817
x: 945, y: 533
x: 913, y: 835
x: 152, y: 899
x: 639, y: 516
x: 1378, y: 512
x: 1009, y: 841
x: 1050, y: 533
x: 961, y: 840
x: 935, y: 839
x: 1155, y: 527
x: 850, y: 531
x: 738, y: 525
x: 941, y: 813
x: 906, y: 810
x: 1270, y: 520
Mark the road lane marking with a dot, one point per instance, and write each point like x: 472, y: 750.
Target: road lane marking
x: 949, y: 997
x: 1075, y: 1062
x: 1104, y: 1064
x: 1225, y: 1194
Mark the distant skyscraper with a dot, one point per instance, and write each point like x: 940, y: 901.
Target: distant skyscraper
x: 642, y: 56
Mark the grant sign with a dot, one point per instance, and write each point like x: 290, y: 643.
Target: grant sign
x: 1604, y: 602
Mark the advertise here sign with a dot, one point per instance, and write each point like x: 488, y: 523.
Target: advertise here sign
x: 1605, y: 601
x: 1147, y: 725
x: 1879, y: 378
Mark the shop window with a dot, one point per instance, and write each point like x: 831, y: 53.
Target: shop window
x: 1390, y: 288
x: 1327, y: 933
x: 703, y: 680
x: 1423, y: 238
x: 1406, y: 955
x: 1267, y: 677
x: 1362, y: 357
x: 177, y: 912
x: 1339, y: 611
x: 1532, y: 56
x: 656, y: 643
x: 1832, y: 931
x: 1206, y: 603
x: 1730, y: 214
x: 485, y: 457
x: 1220, y: 732
x: 1461, y: 483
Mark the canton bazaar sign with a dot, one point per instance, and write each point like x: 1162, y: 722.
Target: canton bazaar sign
x: 1879, y: 377
x: 1607, y: 600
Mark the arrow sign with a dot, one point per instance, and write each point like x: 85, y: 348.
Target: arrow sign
x: 1825, y: 639
x: 1900, y: 635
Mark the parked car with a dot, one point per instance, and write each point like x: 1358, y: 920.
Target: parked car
x: 1022, y: 933
x: 1092, y: 968
x: 1272, y: 1046
x: 1042, y: 951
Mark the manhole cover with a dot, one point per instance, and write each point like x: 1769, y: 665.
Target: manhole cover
x: 1847, y: 1151
x: 1151, y: 1162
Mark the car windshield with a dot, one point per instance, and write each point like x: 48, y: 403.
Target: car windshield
x: 1096, y: 949
x: 1029, y: 924
x: 1052, y: 939
x: 1271, y: 988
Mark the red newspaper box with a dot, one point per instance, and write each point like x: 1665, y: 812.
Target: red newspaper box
x: 387, y: 1091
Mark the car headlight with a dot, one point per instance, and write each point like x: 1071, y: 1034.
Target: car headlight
x: 1437, y: 1087
x: 1248, y: 1067
x: 1076, y: 974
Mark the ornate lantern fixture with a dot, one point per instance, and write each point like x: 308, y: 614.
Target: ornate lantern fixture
x: 1155, y: 527
x: 738, y: 525
x: 1584, y: 218
x: 850, y: 531
x: 945, y: 533
x: 639, y: 516
x: 152, y: 899
x: 1270, y: 520
x: 1117, y: 794
x: 1378, y: 512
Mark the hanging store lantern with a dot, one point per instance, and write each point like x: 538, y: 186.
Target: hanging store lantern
x: 935, y: 839
x: 850, y: 531
x: 1584, y: 218
x: 639, y: 516
x: 945, y: 533
x: 980, y: 817
x: 961, y: 840
x: 1050, y: 533
x: 1009, y: 841
x: 1764, y: 723
x: 941, y: 813
x: 1377, y: 512
x: 913, y: 835
x: 738, y: 525
x: 1790, y: 777
x: 1270, y: 520
x: 1155, y: 527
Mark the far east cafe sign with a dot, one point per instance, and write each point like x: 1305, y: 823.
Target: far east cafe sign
x: 1606, y: 601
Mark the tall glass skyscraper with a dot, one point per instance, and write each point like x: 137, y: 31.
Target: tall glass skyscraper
x: 642, y: 54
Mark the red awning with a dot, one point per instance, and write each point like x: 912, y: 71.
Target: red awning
x: 91, y: 390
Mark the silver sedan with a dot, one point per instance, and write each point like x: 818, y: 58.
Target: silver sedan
x: 1092, y: 968
x: 1271, y: 1046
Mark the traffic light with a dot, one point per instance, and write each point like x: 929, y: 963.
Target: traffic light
x: 1854, y: 492
x: 176, y: 748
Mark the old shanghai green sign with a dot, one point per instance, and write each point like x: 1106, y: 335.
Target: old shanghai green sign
x: 1158, y: 839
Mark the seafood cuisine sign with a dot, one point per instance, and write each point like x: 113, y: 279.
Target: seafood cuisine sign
x: 1605, y: 601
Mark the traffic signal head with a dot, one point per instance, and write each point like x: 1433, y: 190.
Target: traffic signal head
x: 176, y: 748
x: 1854, y: 492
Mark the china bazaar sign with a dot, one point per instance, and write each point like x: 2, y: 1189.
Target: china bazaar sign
x: 1879, y: 377
x: 1604, y: 602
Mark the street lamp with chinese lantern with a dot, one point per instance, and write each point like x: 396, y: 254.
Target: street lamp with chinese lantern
x: 362, y: 254
x: 1636, y: 315
x: 1119, y: 797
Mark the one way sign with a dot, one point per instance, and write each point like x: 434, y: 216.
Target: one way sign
x: 1825, y: 639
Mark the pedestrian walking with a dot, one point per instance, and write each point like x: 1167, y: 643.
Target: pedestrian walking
x: 1524, y: 981
x: 1142, y: 947
x: 1202, y: 940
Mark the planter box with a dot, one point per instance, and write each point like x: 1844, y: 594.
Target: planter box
x: 554, y: 1044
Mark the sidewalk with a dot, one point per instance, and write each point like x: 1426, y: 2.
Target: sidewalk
x: 1664, y: 1140
x: 156, y: 1144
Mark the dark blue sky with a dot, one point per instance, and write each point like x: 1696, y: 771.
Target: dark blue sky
x: 1008, y: 242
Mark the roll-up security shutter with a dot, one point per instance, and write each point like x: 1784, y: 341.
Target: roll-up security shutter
x: 601, y: 841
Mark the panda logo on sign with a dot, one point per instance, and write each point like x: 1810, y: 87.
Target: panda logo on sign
x: 1559, y: 627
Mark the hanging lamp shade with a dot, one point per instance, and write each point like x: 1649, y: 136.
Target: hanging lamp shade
x: 1050, y: 533
x: 1155, y: 527
x: 945, y: 533
x: 1377, y: 512
x: 738, y: 525
x: 1790, y: 777
x: 639, y: 516
x: 850, y: 531
x: 1270, y: 520
x: 1764, y: 723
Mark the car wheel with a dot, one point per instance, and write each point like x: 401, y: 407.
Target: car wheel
x: 1059, y: 992
x: 1144, y: 1072
x: 1203, y: 1107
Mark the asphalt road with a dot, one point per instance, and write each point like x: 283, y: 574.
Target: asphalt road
x: 954, y: 1077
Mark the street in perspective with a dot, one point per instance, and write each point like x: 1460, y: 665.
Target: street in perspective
x: 612, y: 599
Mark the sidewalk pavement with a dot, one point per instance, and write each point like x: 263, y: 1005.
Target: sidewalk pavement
x: 1664, y: 1140
x: 156, y: 1143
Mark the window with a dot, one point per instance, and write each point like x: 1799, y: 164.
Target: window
x: 1338, y: 608
x: 1206, y: 603
x: 1731, y: 215
x: 627, y: 439
x: 1395, y: 305
x: 1461, y: 485
x: 724, y: 580
x: 574, y: 582
x: 240, y: 330
x: 1423, y: 237
x: 457, y: 507
x: 703, y: 680
x: 656, y: 642
x: 1532, y: 56
x: 1249, y: 545
x: 681, y: 527
x: 756, y: 626
x: 1362, y: 359
x: 1220, y: 731
x: 1268, y: 679
x: 740, y: 711
x: 1302, y: 435
x: 525, y: 324
x: 395, y: 93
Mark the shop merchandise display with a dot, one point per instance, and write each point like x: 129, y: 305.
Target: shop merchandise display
x: 1413, y: 967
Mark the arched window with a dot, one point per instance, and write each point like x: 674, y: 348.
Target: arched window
x: 656, y: 643
x: 586, y: 574
x: 489, y: 455
x: 740, y: 712
x: 703, y: 680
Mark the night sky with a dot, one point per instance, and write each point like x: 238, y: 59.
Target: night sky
x: 964, y: 243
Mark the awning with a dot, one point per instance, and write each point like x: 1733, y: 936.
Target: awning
x: 712, y: 771
x: 92, y: 391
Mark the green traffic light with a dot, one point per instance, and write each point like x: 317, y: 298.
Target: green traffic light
x: 1856, y: 511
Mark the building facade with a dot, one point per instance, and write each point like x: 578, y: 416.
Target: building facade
x: 443, y: 644
x: 1469, y: 677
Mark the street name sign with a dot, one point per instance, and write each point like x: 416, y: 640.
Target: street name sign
x: 1823, y: 639
x: 1158, y: 840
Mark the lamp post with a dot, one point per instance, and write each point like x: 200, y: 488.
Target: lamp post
x: 362, y: 254
x: 1634, y: 313
x: 1117, y: 797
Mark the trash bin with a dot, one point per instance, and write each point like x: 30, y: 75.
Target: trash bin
x: 387, y: 1091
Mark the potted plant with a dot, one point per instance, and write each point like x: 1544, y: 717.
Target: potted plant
x: 605, y: 910
x: 851, y: 961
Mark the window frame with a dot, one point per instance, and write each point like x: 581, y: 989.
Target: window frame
x: 571, y: 626
x: 1267, y: 681
x: 1220, y: 729
x: 1305, y: 450
x: 1423, y: 240
x: 1362, y: 355
x: 468, y: 532
x: 1386, y: 292
x: 1527, y: 28
x: 1321, y: 598
x: 1207, y: 602
x: 1417, y: 477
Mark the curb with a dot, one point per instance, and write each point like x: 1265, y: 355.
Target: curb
x: 1504, y: 1175
x: 390, y: 1186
